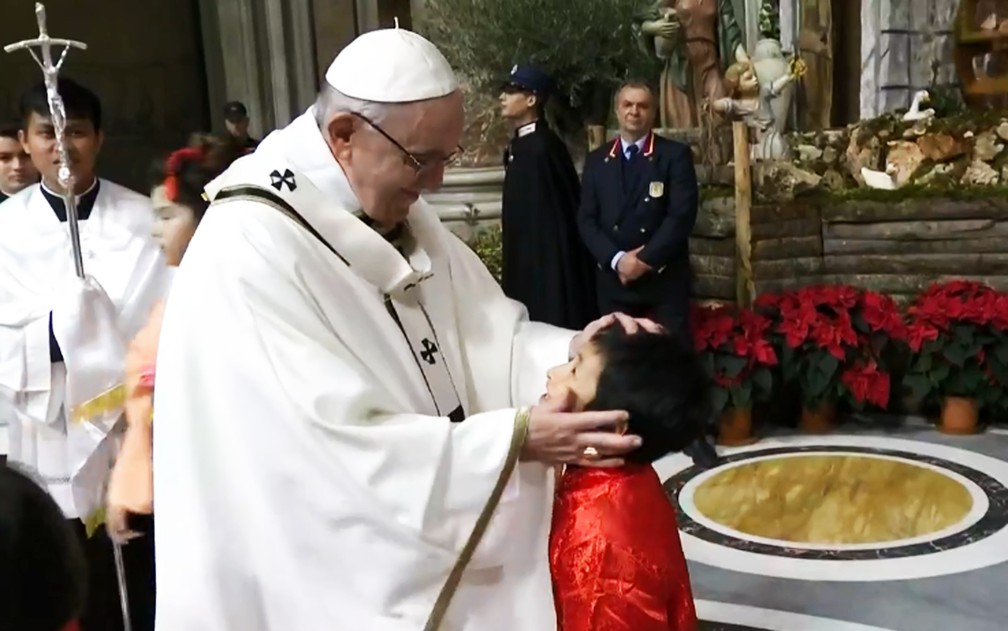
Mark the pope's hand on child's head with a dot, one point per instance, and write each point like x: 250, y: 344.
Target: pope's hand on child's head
x: 629, y: 324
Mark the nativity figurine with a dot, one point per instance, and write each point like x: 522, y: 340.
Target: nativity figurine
x: 696, y: 40
x: 753, y: 103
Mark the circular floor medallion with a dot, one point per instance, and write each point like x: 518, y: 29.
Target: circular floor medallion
x: 827, y: 498
x: 962, y: 535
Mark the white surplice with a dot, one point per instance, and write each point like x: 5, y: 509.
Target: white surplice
x: 305, y: 474
x: 92, y: 320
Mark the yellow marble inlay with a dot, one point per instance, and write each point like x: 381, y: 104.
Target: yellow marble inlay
x: 833, y: 499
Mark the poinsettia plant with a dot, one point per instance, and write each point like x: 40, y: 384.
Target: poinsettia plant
x: 958, y: 333
x: 832, y: 341
x: 735, y: 352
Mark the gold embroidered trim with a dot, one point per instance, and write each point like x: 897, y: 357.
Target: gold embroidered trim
x: 93, y: 521
x: 518, y: 436
x: 100, y: 405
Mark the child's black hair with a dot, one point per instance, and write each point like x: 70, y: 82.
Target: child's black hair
x: 193, y: 173
x: 659, y: 380
x: 79, y: 102
x: 41, y: 561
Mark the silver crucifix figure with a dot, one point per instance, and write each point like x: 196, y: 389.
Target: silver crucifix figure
x: 50, y: 72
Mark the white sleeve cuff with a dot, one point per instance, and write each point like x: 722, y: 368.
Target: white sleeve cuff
x: 616, y: 259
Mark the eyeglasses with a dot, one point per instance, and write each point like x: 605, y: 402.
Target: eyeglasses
x: 418, y: 164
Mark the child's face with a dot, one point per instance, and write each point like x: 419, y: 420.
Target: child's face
x: 571, y: 387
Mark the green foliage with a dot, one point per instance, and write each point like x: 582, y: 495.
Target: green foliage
x: 587, y: 45
x: 487, y: 245
x: 769, y: 20
x: 815, y: 371
x: 955, y: 191
x: 946, y: 100
x: 948, y: 366
x: 746, y: 385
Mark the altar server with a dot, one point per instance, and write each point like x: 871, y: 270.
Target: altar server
x: 62, y: 338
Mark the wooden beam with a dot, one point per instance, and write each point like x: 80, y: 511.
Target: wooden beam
x: 891, y: 246
x: 871, y: 211
x: 745, y: 291
x: 917, y: 230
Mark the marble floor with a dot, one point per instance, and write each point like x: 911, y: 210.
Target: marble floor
x: 899, y: 530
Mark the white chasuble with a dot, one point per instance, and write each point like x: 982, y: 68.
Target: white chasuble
x: 307, y: 472
x: 411, y: 316
x: 62, y: 415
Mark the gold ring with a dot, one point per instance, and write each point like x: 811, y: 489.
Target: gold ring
x: 590, y: 452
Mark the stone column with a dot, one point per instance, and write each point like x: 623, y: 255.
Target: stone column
x: 335, y: 27
x: 871, y: 17
x: 788, y: 24
x: 264, y: 51
x: 417, y: 13
x: 367, y: 15
x: 750, y: 23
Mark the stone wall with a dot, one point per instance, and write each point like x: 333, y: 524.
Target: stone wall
x: 712, y: 248
x: 943, y: 153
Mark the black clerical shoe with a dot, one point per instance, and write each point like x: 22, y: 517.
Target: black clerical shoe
x: 702, y: 453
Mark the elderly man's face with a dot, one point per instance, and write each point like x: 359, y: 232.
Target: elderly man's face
x: 388, y: 178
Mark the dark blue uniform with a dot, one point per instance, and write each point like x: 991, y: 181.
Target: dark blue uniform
x: 649, y: 200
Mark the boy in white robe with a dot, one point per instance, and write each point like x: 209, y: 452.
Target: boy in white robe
x: 62, y: 347
x: 337, y: 413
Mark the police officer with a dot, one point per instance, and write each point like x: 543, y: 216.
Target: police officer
x: 638, y: 206
x: 545, y: 265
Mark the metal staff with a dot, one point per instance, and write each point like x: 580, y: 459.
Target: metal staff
x: 50, y: 73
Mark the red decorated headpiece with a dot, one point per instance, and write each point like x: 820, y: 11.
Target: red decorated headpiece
x: 174, y: 164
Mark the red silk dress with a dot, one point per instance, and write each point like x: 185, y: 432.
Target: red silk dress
x: 615, y: 554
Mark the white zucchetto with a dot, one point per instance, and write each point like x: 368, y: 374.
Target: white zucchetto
x: 391, y: 66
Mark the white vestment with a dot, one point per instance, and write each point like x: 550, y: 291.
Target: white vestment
x: 305, y: 474
x: 127, y: 275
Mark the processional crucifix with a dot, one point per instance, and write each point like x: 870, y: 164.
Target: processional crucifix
x: 57, y: 112
x: 50, y: 72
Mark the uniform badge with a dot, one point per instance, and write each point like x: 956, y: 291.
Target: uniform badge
x: 657, y: 189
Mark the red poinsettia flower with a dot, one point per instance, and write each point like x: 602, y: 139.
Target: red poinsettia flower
x: 866, y: 383
x: 881, y: 314
x: 835, y: 336
x: 919, y: 332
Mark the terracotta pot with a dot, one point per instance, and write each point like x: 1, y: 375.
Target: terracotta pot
x: 735, y: 427
x: 958, y: 416
x: 819, y: 420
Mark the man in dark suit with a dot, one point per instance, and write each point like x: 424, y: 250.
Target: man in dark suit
x: 638, y: 206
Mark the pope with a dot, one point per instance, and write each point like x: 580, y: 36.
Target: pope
x: 341, y: 438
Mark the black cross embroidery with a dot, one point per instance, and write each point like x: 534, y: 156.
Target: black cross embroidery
x: 427, y: 354
x: 279, y: 179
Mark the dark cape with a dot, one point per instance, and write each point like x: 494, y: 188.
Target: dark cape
x: 545, y: 265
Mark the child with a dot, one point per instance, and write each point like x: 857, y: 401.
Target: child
x: 615, y: 553
x: 41, y: 564
x: 177, y: 197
